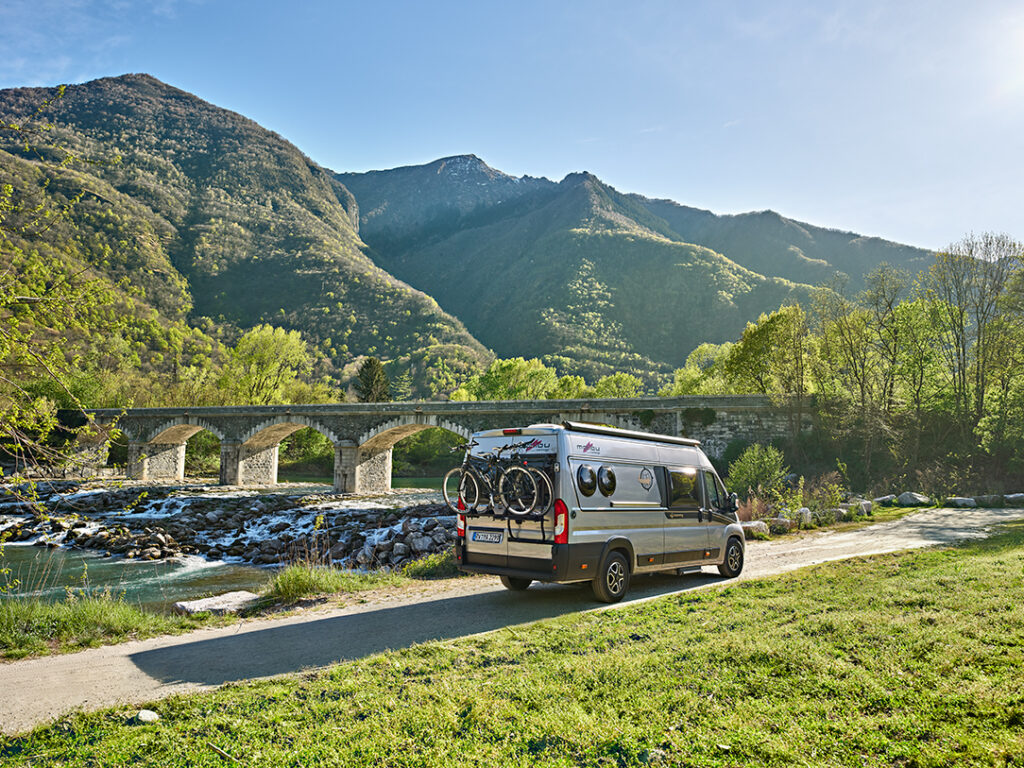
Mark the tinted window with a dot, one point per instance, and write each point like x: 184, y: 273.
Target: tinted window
x: 586, y: 478
x: 716, y: 498
x: 606, y: 480
x: 685, y: 493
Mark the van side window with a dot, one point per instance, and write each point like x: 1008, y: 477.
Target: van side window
x: 716, y: 496
x: 685, y: 492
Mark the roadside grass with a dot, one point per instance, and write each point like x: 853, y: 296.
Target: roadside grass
x: 31, y: 626
x: 306, y: 579
x: 909, y: 659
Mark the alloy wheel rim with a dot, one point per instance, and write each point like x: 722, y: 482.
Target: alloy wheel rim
x: 616, y: 577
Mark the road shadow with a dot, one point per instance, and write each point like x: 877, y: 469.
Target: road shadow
x: 293, y: 647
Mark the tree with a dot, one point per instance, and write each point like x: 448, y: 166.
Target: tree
x: 372, y: 385
x: 265, y: 363
x: 570, y: 388
x: 512, y: 379
x: 759, y: 471
x: 619, y: 385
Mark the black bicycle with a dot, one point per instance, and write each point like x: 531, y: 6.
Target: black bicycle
x: 503, y: 486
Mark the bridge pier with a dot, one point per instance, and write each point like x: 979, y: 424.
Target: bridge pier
x: 242, y: 464
x: 361, y: 469
x: 156, y: 461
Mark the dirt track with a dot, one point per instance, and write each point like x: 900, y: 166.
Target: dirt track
x: 37, y: 690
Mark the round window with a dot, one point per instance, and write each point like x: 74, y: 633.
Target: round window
x: 606, y: 480
x: 586, y: 479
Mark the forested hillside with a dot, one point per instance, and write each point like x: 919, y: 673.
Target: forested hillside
x: 589, y: 279
x: 210, y: 221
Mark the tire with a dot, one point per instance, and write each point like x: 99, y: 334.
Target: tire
x: 545, y: 492
x: 612, y: 580
x: 733, y: 564
x: 460, y: 484
x: 515, y: 583
x: 517, y: 491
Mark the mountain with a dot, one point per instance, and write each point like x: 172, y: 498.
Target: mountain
x: 586, y: 277
x: 211, y: 219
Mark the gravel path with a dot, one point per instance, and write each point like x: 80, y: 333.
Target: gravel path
x: 35, y: 691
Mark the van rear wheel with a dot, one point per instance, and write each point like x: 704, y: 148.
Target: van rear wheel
x: 733, y: 563
x: 515, y: 583
x: 612, y: 579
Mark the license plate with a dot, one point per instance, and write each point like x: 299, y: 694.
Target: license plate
x: 489, y: 538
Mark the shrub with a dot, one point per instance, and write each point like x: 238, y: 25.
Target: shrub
x: 759, y: 470
x: 440, y: 565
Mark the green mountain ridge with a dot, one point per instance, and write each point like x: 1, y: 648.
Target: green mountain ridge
x: 226, y: 222
x: 207, y: 224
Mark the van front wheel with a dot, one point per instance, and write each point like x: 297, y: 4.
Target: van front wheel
x: 733, y: 563
x: 515, y: 583
x: 612, y: 580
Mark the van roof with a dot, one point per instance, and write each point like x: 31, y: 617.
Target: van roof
x: 600, y: 429
x: 593, y: 429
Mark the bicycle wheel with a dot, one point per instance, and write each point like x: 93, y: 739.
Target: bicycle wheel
x: 460, y: 485
x: 517, y: 491
x: 545, y: 491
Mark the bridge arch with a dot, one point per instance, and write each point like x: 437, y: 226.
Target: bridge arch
x: 178, y: 430
x: 272, y: 431
x: 383, y: 436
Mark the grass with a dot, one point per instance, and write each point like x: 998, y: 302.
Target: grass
x: 898, y: 660
x: 30, y: 626
x: 305, y: 579
x: 440, y: 565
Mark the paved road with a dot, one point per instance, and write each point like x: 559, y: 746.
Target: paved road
x: 35, y: 691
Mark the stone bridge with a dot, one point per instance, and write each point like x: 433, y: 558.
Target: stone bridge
x: 363, y: 433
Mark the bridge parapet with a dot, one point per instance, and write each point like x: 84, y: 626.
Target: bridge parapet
x: 363, y: 433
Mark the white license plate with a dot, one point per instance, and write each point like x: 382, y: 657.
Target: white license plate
x: 489, y: 538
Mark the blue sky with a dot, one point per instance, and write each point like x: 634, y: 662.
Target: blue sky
x: 898, y: 119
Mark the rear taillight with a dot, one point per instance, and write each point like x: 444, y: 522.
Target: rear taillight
x: 561, y: 522
x: 460, y: 524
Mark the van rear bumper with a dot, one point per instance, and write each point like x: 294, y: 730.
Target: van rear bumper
x: 568, y: 562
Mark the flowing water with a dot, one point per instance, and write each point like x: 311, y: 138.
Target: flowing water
x: 49, y: 573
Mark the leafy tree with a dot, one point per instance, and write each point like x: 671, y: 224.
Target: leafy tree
x: 512, y: 379
x: 703, y: 374
x: 619, y: 385
x: 570, y: 388
x: 759, y: 471
x: 372, y: 385
x: 265, y: 363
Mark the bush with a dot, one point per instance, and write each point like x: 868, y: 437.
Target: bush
x: 440, y: 565
x: 759, y: 470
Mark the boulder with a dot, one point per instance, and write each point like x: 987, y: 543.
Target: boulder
x: 911, y: 499
x: 753, y: 529
x: 863, y: 507
x: 1014, y: 499
x: 150, y: 553
x: 961, y: 502
x: 841, y: 515
x: 400, y: 549
x: 147, y: 716
x: 804, y: 516
x: 230, y: 602
x: 887, y: 501
x: 421, y: 544
x: 991, y: 500
x: 779, y: 525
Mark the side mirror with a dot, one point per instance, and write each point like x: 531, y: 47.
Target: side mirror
x: 734, y: 502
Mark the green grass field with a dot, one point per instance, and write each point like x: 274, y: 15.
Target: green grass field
x: 899, y: 660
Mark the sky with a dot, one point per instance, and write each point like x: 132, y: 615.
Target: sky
x: 903, y: 120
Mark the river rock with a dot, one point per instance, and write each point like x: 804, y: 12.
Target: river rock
x: 147, y: 716
x: 421, y: 544
x: 804, y: 516
x: 886, y: 501
x: 753, y: 529
x: 961, y: 502
x: 911, y: 499
x: 1014, y: 499
x: 779, y: 525
x: 991, y: 500
x: 150, y: 553
x: 230, y: 602
x: 401, y: 549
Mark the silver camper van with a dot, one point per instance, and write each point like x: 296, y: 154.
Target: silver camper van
x: 621, y: 502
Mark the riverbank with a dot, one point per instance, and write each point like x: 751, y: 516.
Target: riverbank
x: 258, y: 527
